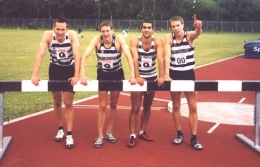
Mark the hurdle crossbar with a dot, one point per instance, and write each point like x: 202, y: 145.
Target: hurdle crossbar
x: 95, y: 85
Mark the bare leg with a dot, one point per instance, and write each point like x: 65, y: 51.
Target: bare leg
x: 136, y: 99
x: 147, y: 104
x: 101, y: 114
x: 176, y: 114
x: 114, y: 95
x: 193, y: 115
x: 68, y: 110
x: 57, y: 105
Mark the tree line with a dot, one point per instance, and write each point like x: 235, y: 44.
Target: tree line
x: 211, y: 10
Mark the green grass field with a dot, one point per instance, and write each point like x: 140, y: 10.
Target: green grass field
x: 18, y: 49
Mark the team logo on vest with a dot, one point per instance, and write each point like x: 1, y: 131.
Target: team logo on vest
x: 146, y: 61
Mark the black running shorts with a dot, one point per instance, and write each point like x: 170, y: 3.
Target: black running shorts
x: 182, y: 75
x: 61, y: 73
x: 110, y: 76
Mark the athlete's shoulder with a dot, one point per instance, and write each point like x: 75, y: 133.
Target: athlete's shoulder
x: 72, y: 32
x: 158, y: 41
x: 118, y: 36
x: 47, y: 36
x: 134, y: 42
x: 134, y: 39
x: 169, y: 35
x: 168, y: 38
x: 48, y: 33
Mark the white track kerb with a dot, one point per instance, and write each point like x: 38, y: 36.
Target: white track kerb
x: 95, y: 85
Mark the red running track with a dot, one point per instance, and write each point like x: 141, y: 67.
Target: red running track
x: 33, y: 145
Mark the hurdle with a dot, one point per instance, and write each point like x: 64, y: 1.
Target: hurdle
x: 174, y: 86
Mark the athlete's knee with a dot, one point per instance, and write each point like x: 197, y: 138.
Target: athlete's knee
x: 68, y: 104
x: 135, y: 109
x: 193, y: 111
x: 193, y: 108
x: 102, y: 107
x: 113, y: 105
x: 176, y: 106
x: 57, y: 102
x: 147, y: 108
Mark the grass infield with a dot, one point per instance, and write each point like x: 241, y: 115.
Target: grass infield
x: 18, y: 49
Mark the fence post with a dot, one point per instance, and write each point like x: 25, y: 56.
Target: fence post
x: 4, y: 141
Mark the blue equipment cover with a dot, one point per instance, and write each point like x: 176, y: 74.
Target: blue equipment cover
x: 252, y: 49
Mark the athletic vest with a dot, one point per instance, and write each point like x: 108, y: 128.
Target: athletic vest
x: 147, y: 60
x: 109, y: 60
x: 182, y: 55
x: 61, y: 53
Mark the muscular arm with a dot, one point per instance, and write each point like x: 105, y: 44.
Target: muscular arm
x: 160, y: 56
x: 167, y: 51
x: 76, y: 55
x: 127, y: 53
x: 134, y: 52
x: 39, y: 56
x: 86, y: 54
x: 192, y: 35
x: 160, y: 59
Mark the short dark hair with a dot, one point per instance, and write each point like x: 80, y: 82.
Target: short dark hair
x: 60, y: 20
x: 146, y: 21
x: 176, y: 18
x: 107, y: 23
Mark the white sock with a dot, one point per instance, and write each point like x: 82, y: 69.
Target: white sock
x: 133, y: 135
x: 141, y: 131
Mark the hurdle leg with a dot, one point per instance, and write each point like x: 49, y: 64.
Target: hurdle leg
x: 4, y: 141
x: 253, y: 145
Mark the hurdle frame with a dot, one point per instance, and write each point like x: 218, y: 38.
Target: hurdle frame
x: 253, y: 145
x: 95, y: 85
x: 4, y: 141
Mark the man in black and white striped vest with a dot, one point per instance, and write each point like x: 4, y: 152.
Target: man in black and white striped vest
x: 179, y: 64
x: 147, y: 51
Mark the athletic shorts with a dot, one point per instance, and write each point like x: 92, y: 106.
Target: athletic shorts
x: 150, y: 79
x: 116, y: 75
x: 182, y: 75
x: 61, y: 73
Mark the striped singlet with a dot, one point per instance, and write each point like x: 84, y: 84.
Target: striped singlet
x: 109, y: 59
x: 61, y: 53
x: 182, y: 55
x: 147, y: 60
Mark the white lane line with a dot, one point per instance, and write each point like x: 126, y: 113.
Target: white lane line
x: 44, y: 111
x: 219, y: 61
x: 242, y: 100
x: 213, y: 128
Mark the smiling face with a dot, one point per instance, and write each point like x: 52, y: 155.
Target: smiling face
x: 60, y: 30
x: 147, y: 30
x: 106, y: 33
x: 107, y: 29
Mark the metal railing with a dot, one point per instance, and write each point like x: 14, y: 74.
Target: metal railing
x: 160, y: 25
